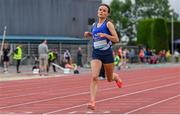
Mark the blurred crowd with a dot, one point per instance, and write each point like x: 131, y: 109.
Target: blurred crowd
x: 48, y: 57
x: 42, y: 63
x: 144, y: 55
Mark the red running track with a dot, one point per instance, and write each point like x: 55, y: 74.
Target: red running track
x: 145, y: 91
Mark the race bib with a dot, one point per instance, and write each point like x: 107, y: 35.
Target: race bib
x: 100, y: 44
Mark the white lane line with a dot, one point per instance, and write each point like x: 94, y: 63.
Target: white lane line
x: 30, y: 88
x: 158, y: 102
x: 31, y: 94
x: 77, y: 94
x: 107, y: 112
x: 73, y: 112
x: 89, y: 112
x: 44, y: 100
x: 83, y: 87
x: 107, y: 99
x: 15, y: 90
x: 28, y: 112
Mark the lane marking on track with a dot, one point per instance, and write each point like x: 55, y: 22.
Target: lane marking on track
x: 28, y: 112
x: 107, y: 112
x: 107, y: 99
x: 80, y: 87
x: 77, y: 94
x: 150, y: 105
x: 73, y: 112
x: 30, y: 94
x: 15, y: 90
x: 29, y: 87
x: 89, y: 112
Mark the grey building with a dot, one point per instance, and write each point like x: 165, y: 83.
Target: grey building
x: 68, y: 18
x: 61, y: 22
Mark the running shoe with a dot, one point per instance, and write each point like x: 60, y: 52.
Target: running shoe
x: 91, y: 105
x: 119, y: 82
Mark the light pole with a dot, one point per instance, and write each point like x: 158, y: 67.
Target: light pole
x: 172, y: 33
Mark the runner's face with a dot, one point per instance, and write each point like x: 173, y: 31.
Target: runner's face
x: 103, y: 12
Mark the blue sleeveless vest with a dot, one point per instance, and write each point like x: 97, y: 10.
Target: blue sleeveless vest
x: 101, y: 46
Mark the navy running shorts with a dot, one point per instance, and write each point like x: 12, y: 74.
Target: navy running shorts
x: 105, y: 59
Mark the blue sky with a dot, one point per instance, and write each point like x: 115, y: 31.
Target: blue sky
x: 175, y: 4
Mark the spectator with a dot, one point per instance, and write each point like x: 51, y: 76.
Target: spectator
x: 145, y: 55
x: 52, y: 56
x: 154, y: 58
x: 176, y: 55
x: 120, y: 53
x: 132, y: 56
x: 117, y: 60
x: 67, y: 57
x: 18, y: 56
x: 43, y: 57
x: 163, y: 56
x: 141, y: 56
x: 72, y: 66
x: 5, y: 57
x: 125, y: 58
x: 168, y: 55
x: 79, y: 57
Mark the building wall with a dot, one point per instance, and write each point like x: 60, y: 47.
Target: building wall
x: 47, y: 17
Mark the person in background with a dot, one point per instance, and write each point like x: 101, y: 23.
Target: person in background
x: 52, y: 56
x: 79, y: 57
x: 72, y: 66
x: 132, y: 56
x: 103, y: 34
x: 120, y: 51
x: 125, y: 58
x: 18, y: 56
x: 163, y: 56
x: 43, y: 57
x: 117, y: 60
x: 67, y: 56
x: 6, y: 54
x: 176, y: 55
x: 102, y: 74
x: 168, y: 56
x: 141, y: 55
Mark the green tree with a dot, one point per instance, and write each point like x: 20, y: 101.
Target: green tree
x: 126, y: 14
x: 154, y: 9
x: 121, y: 16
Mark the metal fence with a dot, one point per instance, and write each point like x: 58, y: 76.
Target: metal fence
x: 30, y: 52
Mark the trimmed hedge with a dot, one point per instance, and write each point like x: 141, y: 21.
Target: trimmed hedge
x: 159, y: 35
x: 144, y: 32
x: 153, y: 33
